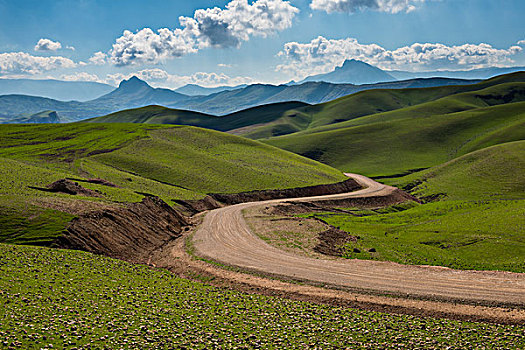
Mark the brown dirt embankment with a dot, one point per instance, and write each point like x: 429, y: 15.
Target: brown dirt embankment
x: 349, y: 185
x: 130, y: 233
x: 219, y: 200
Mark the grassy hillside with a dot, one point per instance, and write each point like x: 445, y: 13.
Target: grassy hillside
x: 173, y: 162
x: 495, y: 172
x: 382, y: 148
x: 474, y: 219
x: 292, y: 117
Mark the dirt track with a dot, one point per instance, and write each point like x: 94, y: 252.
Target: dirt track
x: 225, y: 237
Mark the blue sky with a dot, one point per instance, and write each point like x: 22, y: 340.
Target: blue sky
x: 243, y: 41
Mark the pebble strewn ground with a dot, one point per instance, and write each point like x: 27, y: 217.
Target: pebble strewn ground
x: 67, y: 299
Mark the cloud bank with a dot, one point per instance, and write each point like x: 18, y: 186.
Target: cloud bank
x: 212, y: 27
x: 352, y: 6
x: 322, y: 55
x: 24, y: 63
x: 161, y: 78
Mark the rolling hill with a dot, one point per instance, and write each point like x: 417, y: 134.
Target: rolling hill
x: 412, y: 137
x: 378, y: 105
x: 163, y: 115
x: 375, y: 102
x: 494, y: 172
x: 127, y: 161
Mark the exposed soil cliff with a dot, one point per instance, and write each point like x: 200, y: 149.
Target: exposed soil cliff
x: 129, y: 233
x: 254, y: 196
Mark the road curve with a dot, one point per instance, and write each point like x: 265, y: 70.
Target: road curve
x: 225, y: 237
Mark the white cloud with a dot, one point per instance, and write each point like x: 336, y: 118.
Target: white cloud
x: 322, y: 55
x: 224, y: 65
x: 240, y: 20
x: 212, y: 27
x: 47, y: 45
x: 72, y: 48
x: 351, y: 6
x: 147, y: 46
x: 160, y: 78
x: 24, y: 63
x: 521, y: 43
x: 98, y: 58
x: 81, y: 76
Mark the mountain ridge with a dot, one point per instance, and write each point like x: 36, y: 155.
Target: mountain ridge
x: 55, y: 89
x: 135, y: 93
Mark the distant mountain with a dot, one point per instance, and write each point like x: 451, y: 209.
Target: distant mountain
x: 196, y: 90
x: 482, y: 73
x: 311, y: 92
x: 55, y: 89
x: 131, y: 93
x: 135, y: 93
x: 353, y: 72
x: 45, y: 117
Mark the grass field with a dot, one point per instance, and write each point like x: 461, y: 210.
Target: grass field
x: 495, y: 172
x: 168, y: 161
x: 478, y: 235
x: 70, y: 299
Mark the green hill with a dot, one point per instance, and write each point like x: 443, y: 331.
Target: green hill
x: 495, y: 172
x: 292, y: 117
x: 164, y: 115
x: 173, y: 162
x: 393, y: 147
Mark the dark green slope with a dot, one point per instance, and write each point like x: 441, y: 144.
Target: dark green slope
x: 399, y: 145
x: 496, y: 172
x: 491, y: 96
x: 163, y: 115
x: 155, y: 115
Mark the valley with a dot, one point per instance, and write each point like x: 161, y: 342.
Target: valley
x: 258, y: 208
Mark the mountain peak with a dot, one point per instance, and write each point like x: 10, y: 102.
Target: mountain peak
x: 353, y: 63
x: 353, y: 72
x: 133, y: 83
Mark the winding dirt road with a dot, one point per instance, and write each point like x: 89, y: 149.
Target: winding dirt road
x: 225, y: 237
